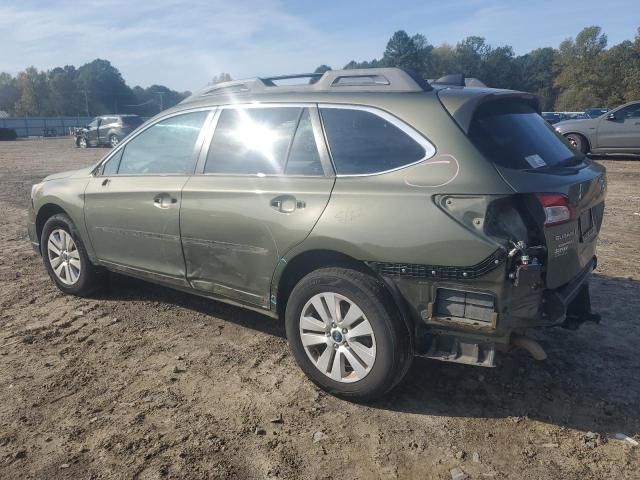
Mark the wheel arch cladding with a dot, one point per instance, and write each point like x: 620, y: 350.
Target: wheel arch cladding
x: 45, y: 212
x: 306, y: 262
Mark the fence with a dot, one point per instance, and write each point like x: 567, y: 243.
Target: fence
x: 44, y: 126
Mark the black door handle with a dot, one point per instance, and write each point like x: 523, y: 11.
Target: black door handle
x: 105, y: 182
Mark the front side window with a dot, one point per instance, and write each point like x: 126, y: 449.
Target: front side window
x: 252, y: 141
x: 632, y: 111
x: 111, y: 167
x: 93, y: 124
x: 165, y: 148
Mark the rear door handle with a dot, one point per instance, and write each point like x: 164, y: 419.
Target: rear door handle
x: 164, y: 201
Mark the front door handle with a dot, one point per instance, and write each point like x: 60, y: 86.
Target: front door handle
x: 164, y: 201
x: 286, y: 203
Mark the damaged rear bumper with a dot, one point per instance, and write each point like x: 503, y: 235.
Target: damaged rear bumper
x: 570, y: 305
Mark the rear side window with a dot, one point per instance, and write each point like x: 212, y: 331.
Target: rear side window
x: 165, y: 148
x: 513, y: 135
x: 362, y: 142
x: 131, y: 121
x: 254, y: 141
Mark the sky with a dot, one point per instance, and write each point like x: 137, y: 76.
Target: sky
x: 183, y: 44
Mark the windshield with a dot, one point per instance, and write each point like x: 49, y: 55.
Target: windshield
x: 513, y: 135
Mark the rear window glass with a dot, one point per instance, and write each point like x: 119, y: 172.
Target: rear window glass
x: 132, y: 121
x: 513, y: 135
x: 362, y: 142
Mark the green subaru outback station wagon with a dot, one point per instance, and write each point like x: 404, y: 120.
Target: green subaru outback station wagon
x: 381, y: 217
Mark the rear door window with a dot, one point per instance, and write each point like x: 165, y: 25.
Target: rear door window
x: 513, y: 135
x: 362, y: 142
x: 252, y: 141
x: 304, y: 158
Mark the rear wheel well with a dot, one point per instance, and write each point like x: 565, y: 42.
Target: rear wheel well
x: 45, y: 213
x: 306, y: 263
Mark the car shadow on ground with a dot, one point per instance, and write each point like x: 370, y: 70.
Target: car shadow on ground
x: 122, y: 288
x: 589, y: 382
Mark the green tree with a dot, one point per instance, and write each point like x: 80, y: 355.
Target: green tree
x: 9, y: 92
x: 103, y: 87
x: 411, y: 53
x: 537, y: 71
x: 470, y: 54
x: 581, y: 78
x: 34, y: 93
x: 443, y: 61
x: 65, y: 98
x: 499, y: 69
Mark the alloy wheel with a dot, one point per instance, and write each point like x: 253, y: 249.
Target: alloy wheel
x: 64, y: 257
x: 337, y: 337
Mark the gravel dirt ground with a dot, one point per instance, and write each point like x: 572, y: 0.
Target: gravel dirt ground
x: 144, y: 382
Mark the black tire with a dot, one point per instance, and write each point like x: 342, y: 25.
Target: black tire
x: 90, y: 278
x: 114, y: 140
x: 578, y: 142
x: 82, y: 142
x: 393, y: 342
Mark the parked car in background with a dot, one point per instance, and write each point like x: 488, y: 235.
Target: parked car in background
x: 378, y: 216
x: 617, y: 131
x: 552, y: 117
x: 107, y: 130
x: 595, y: 112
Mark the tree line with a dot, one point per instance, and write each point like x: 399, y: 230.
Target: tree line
x: 581, y: 73
x: 95, y: 88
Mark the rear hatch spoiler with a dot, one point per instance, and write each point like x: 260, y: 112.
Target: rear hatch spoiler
x: 462, y: 103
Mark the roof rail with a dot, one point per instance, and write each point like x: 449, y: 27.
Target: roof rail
x: 356, y: 80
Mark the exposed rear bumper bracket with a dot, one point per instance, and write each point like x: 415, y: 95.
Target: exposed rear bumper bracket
x: 448, y: 348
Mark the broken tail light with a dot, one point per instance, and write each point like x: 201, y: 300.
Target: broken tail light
x: 557, y: 208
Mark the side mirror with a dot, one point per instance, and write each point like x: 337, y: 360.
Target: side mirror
x: 611, y: 117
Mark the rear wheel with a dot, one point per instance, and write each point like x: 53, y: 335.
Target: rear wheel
x: 65, y: 257
x: 578, y: 142
x: 114, y: 141
x: 346, y: 334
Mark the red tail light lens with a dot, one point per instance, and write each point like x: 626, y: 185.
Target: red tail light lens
x: 557, y: 208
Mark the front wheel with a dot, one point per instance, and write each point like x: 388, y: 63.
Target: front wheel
x: 578, y: 142
x: 82, y: 142
x: 346, y: 334
x: 66, y: 259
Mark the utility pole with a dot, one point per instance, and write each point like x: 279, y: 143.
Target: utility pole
x: 161, y: 95
x: 86, y: 102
